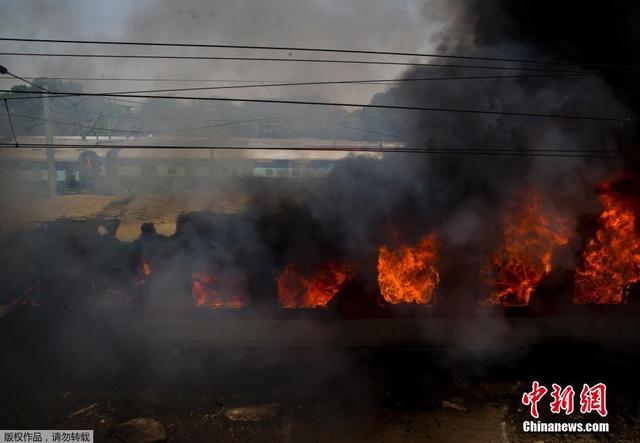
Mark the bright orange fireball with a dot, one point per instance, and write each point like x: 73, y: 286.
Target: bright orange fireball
x: 408, y: 274
x: 208, y: 293
x: 296, y: 290
x: 529, y: 239
x: 611, y: 259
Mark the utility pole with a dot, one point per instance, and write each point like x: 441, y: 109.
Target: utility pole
x: 51, y: 157
x: 80, y: 110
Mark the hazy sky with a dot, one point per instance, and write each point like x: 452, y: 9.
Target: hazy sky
x: 393, y: 25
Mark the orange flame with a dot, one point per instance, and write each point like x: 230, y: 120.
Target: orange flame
x: 207, y: 293
x: 146, y: 272
x: 296, y: 290
x: 408, y: 274
x: 146, y: 268
x: 530, y: 238
x: 611, y: 259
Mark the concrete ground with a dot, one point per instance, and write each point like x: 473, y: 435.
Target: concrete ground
x: 481, y: 412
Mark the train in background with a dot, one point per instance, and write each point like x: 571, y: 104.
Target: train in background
x: 120, y: 164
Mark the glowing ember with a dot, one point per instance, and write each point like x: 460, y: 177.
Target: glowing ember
x: 529, y: 240
x: 146, y: 272
x: 296, y: 290
x: 408, y: 274
x: 611, y: 259
x: 146, y: 268
x: 208, y: 292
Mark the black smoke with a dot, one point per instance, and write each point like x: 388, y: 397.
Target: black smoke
x: 367, y: 202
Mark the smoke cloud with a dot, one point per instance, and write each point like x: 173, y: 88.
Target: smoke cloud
x: 365, y: 203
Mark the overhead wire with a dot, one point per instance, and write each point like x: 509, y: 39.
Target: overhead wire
x: 340, y: 104
x: 265, y: 83
x: 286, y: 59
x: 143, y: 131
x: 336, y: 82
x: 35, y: 85
x: 15, y: 139
x: 327, y: 50
x: 155, y: 131
x: 425, y: 150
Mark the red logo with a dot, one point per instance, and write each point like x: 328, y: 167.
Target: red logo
x: 592, y: 399
x: 532, y: 398
x: 562, y: 399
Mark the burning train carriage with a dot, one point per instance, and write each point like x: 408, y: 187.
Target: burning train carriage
x: 219, y: 271
x: 545, y: 264
x: 204, y: 295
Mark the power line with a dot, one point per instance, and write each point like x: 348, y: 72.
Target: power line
x: 122, y: 100
x: 324, y: 83
x: 351, y: 105
x: 148, y: 79
x: 147, y: 131
x: 15, y: 139
x: 25, y: 80
x: 140, y: 131
x: 285, y: 59
x: 264, y: 83
x: 4, y: 70
x: 73, y: 105
x: 452, y: 151
x: 337, y: 82
x: 329, y: 50
x: 198, y: 80
x: 249, y: 84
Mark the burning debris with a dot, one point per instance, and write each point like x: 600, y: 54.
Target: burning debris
x: 531, y: 232
x: 530, y: 237
x: 611, y: 259
x: 296, y: 290
x: 408, y: 274
x: 210, y: 292
x: 146, y: 272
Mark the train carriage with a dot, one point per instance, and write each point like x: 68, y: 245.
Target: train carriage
x: 121, y: 164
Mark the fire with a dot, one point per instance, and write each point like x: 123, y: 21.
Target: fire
x: 529, y: 240
x: 296, y: 290
x: 611, y: 259
x: 408, y: 274
x: 146, y: 268
x: 208, y: 292
x: 146, y: 272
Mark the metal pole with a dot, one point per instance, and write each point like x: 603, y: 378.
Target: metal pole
x: 80, y: 110
x: 51, y: 158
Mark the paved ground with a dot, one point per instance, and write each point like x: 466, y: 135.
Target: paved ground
x: 491, y: 414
